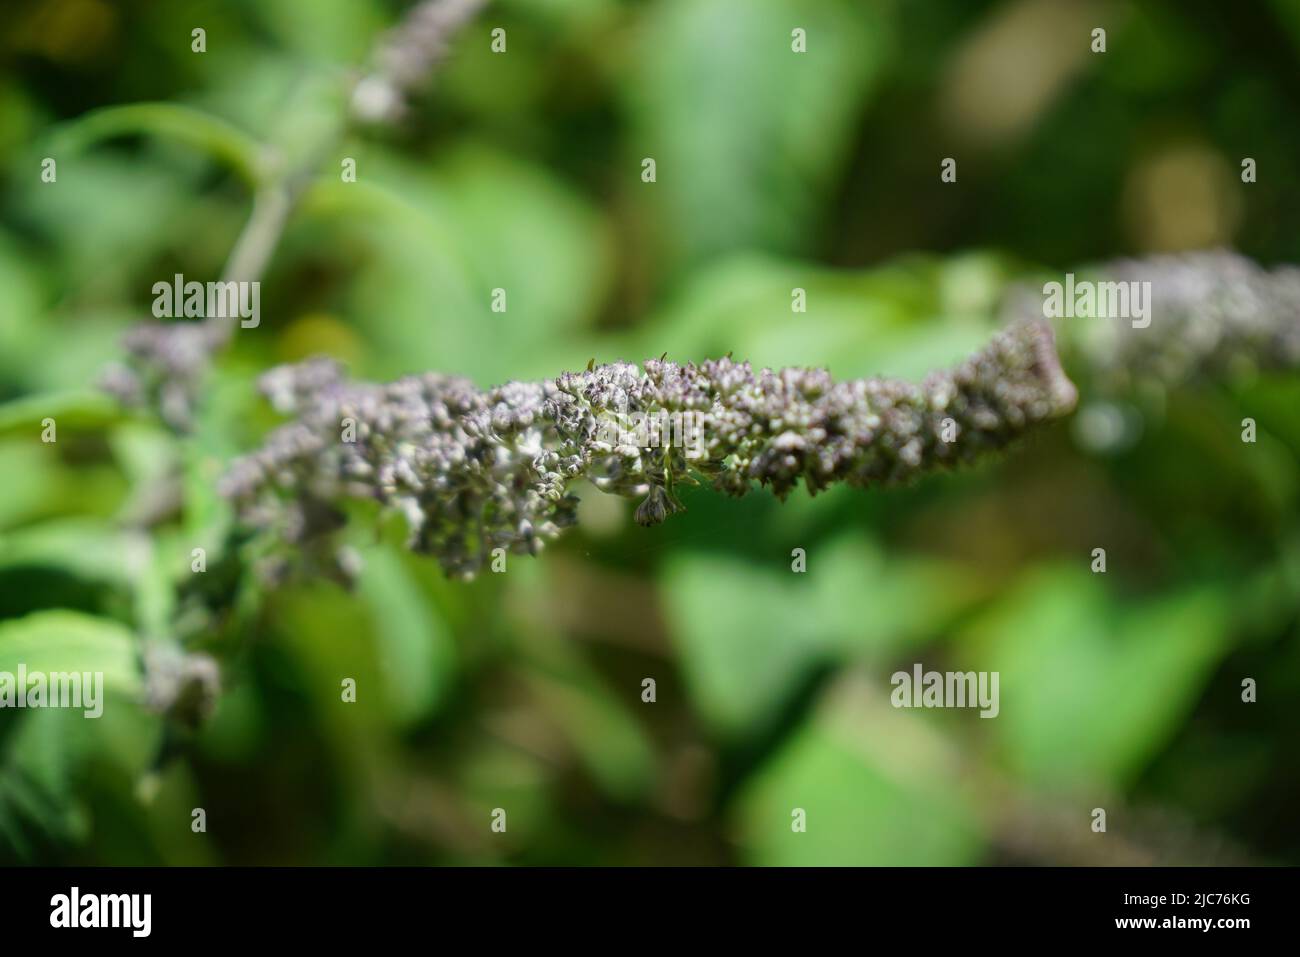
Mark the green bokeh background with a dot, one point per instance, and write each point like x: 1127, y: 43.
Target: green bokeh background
x: 522, y: 691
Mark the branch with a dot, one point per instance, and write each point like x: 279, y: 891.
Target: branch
x: 1214, y: 315
x: 408, y: 56
x: 474, y: 471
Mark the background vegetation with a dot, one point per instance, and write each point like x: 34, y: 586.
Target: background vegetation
x: 523, y: 690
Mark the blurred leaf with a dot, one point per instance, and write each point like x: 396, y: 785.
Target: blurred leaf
x: 415, y: 652
x: 748, y: 136
x: 91, y: 338
x: 750, y: 634
x: 524, y: 231
x: 596, y: 719
x: 40, y: 483
x: 332, y: 31
x: 221, y: 433
x: 609, y: 741
x: 109, y: 217
x: 869, y: 793
x: 21, y: 337
x: 31, y: 486
x: 410, y: 294
x: 1090, y: 688
x: 41, y: 791
x: 1288, y: 12
x: 221, y: 140
x: 144, y: 450
x: 903, y: 319
x: 67, y: 641
x: 86, y: 411
x: 82, y: 547
x: 435, y: 242
x: 386, y: 634
x: 38, y: 805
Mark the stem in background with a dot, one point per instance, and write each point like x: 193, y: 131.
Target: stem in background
x: 272, y: 205
x: 260, y: 235
x: 168, y: 362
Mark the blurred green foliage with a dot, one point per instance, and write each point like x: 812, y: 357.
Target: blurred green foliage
x: 523, y: 691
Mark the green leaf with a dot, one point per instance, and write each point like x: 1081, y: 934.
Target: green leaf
x: 332, y: 31
x: 32, y: 484
x: 86, y: 548
x: 903, y: 319
x: 210, y: 134
x: 1289, y: 14
x: 49, y: 641
x: 423, y: 293
x: 85, y: 410
x: 597, y: 719
x: 875, y: 787
x: 1090, y: 688
x: 22, y: 336
x: 748, y: 135
x: 413, y: 295
x: 38, y: 805
x: 609, y: 741
x: 43, y: 759
x: 220, y: 434
x: 114, y: 216
x: 750, y: 634
x: 414, y: 650
x: 386, y: 634
x: 553, y: 260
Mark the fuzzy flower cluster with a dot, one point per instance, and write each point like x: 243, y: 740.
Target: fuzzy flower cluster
x: 407, y: 55
x: 166, y: 365
x: 1213, y: 314
x: 184, y: 686
x: 474, y: 471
